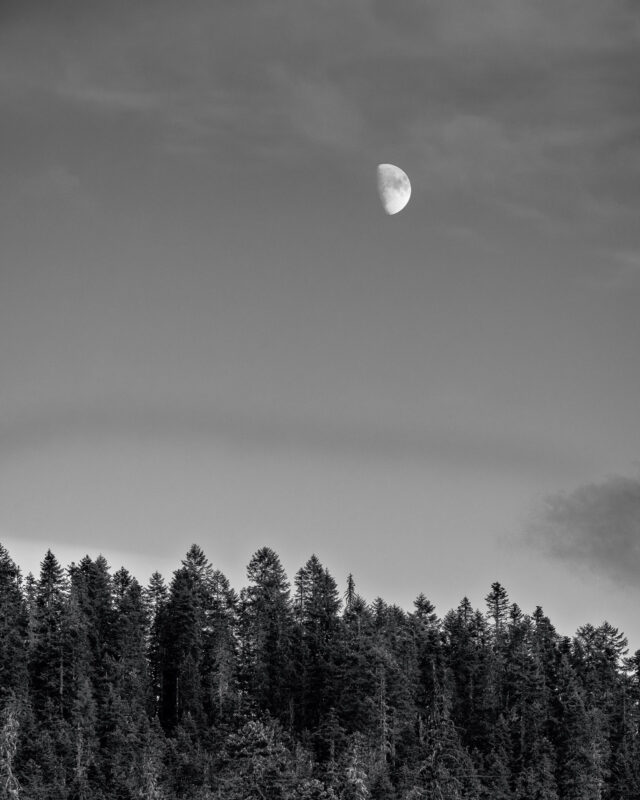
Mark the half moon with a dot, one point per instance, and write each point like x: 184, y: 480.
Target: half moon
x: 394, y: 188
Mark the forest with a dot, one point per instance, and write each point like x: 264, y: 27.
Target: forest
x: 300, y: 691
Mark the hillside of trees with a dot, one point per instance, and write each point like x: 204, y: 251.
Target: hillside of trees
x: 109, y: 689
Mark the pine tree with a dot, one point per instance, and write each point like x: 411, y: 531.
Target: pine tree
x: 123, y: 723
x: 155, y: 598
x: 498, y: 610
x: 316, y: 612
x: 13, y: 630
x: 220, y: 656
x: 581, y: 742
x: 93, y: 624
x: 466, y: 653
x: 356, y: 671
x: 447, y: 770
x: 182, y: 642
x: 376, y: 703
x: 350, y: 593
x: 49, y: 659
x: 267, y: 633
x: 427, y: 637
x: 256, y: 765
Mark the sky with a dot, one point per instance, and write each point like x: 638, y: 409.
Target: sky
x: 210, y: 331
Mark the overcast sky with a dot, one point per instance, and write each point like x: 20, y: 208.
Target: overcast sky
x: 211, y: 332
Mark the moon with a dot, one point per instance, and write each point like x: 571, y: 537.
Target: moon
x: 394, y: 188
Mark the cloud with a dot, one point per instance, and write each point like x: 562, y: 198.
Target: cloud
x: 529, y: 106
x: 254, y: 430
x: 595, y: 527
x: 320, y: 111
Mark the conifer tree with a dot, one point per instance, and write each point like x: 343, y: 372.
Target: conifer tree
x: 316, y: 611
x: 427, y: 637
x: 182, y: 641
x: 581, y: 745
x: 267, y: 631
x: 447, y: 769
x: 466, y: 653
x: 350, y: 593
x: 123, y: 720
x: 92, y: 624
x: 13, y: 629
x: 255, y: 764
x: 498, y: 608
x: 49, y: 665
x: 155, y: 597
x: 356, y: 668
x: 376, y: 703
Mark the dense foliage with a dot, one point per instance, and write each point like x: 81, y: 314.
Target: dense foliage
x: 109, y: 689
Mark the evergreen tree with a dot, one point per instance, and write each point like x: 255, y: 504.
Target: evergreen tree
x: 91, y: 623
x: 316, y: 612
x: 182, y: 642
x: 581, y: 742
x: 350, y: 593
x: 13, y: 629
x: 267, y: 633
x: 466, y: 654
x: 124, y: 723
x: 155, y: 598
x: 356, y: 671
x: 446, y: 770
x: 49, y: 665
x: 109, y: 690
x: 256, y: 764
x: 427, y: 637
x: 220, y: 652
x: 498, y: 608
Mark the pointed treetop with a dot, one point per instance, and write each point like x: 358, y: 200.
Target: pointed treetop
x: 8, y: 568
x: 102, y: 564
x: 497, y: 605
x: 350, y: 594
x: 195, y: 558
x: 265, y: 570
x: 50, y: 569
x: 424, y: 608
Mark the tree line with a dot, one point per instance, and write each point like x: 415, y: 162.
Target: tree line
x: 109, y: 689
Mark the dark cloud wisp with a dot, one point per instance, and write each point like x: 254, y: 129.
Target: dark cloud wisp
x: 596, y: 527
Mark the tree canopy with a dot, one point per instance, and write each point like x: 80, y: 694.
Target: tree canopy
x: 302, y: 691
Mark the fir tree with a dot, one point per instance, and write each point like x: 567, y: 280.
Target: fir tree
x: 49, y: 665
x: 13, y: 629
x: 316, y: 611
x: 267, y: 629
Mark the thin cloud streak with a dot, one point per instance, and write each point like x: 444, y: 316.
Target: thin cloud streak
x: 517, y: 67
x: 24, y: 432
